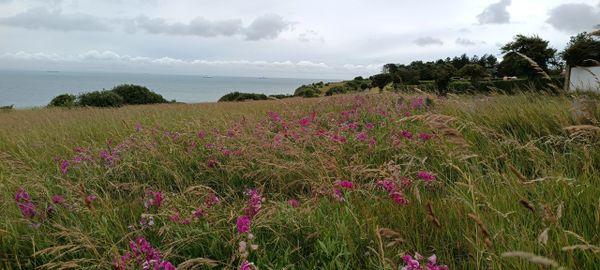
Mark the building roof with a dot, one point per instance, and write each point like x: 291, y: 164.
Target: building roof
x: 595, y: 33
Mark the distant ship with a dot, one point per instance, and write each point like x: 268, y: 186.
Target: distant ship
x: 262, y: 78
x: 206, y: 77
x: 52, y: 71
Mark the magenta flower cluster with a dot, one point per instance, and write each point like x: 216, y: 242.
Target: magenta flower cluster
x: 417, y: 263
x: 142, y: 254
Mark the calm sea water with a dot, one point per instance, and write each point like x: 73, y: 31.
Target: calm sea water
x: 37, y: 88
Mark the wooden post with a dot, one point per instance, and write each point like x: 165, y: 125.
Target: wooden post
x: 567, y: 79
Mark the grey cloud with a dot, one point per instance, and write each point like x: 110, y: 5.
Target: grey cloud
x: 426, y: 41
x: 197, y: 27
x: 268, y: 26
x: 574, y: 17
x: 42, y: 18
x: 468, y: 42
x: 495, y: 13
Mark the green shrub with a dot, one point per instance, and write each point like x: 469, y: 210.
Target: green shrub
x: 137, y: 94
x: 307, y: 91
x: 460, y: 87
x: 336, y: 90
x: 237, y: 96
x: 100, y: 99
x: 281, y: 96
x: 64, y: 100
x: 364, y: 86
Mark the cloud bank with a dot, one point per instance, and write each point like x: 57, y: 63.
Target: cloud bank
x: 496, y: 13
x: 574, y: 17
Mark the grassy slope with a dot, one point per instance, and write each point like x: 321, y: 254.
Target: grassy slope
x: 472, y: 157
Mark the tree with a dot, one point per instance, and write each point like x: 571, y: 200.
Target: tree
x: 443, y: 73
x: 474, y: 72
x: 381, y: 80
x: 137, y: 94
x: 582, y: 50
x: 460, y: 62
x: 390, y: 68
x: 533, y: 47
x: 409, y: 75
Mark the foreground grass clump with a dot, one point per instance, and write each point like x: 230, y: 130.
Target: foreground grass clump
x: 345, y: 182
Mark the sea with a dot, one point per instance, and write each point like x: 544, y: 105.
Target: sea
x: 25, y: 89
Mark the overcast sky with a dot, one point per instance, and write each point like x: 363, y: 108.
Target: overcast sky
x: 274, y: 38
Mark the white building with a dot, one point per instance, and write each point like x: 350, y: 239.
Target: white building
x: 583, y: 78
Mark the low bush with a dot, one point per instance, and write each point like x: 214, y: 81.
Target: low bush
x: 100, y: 99
x: 460, y: 87
x: 64, y: 100
x: 237, y: 96
x: 137, y: 94
x: 307, y: 91
x: 336, y: 90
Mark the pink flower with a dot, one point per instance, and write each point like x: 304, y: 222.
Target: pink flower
x: 338, y: 195
x: 198, y: 213
x: 212, y: 163
x: 57, y: 199
x: 346, y: 184
x: 398, y: 198
x: 247, y: 266
x: 369, y: 126
x: 211, y: 200
x: 243, y: 224
x: 153, y: 198
x: 254, y: 203
x: 362, y: 136
x: 201, y: 134
x: 24, y: 203
x: 386, y: 184
x: 275, y: 117
x: 64, y: 166
x: 293, y: 203
x: 425, y: 136
x: 426, y: 176
x: 305, y: 122
x: 230, y: 132
x: 406, y: 134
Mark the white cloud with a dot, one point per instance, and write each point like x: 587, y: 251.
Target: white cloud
x: 426, y: 41
x: 495, y: 13
x: 574, y: 17
x: 268, y: 26
x: 468, y: 42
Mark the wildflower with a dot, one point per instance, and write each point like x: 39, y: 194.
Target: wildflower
x: 230, y: 132
x: 64, y: 166
x: 211, y: 200
x: 198, y: 213
x: 405, y: 182
x: 275, y: 117
x: 425, y: 136
x: 411, y: 264
x: 50, y: 210
x: 338, y: 195
x: 338, y: 138
x: 362, y: 136
x: 305, y: 122
x: 247, y: 266
x: 353, y: 126
x: 201, y: 134
x: 426, y: 176
x: 90, y: 198
x: 176, y: 217
x: 254, y: 203
x: 212, y: 163
x: 417, y: 103
x: 138, y: 127
x: 398, y: 198
x: 293, y: 203
x: 346, y: 184
x: 153, y: 198
x: 369, y: 126
x: 243, y: 224
x: 24, y: 203
x: 406, y: 134
x: 146, y: 220
x: 407, y: 114
x: 386, y: 184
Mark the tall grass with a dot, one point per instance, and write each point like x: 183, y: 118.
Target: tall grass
x: 513, y: 189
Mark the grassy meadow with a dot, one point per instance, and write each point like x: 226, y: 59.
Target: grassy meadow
x: 342, y: 182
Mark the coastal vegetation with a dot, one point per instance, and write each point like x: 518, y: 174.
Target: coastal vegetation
x: 125, y: 94
x: 355, y: 181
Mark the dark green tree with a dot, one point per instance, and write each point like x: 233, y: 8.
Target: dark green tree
x: 64, y: 100
x: 582, y: 50
x: 533, y: 47
x: 381, y: 80
x: 443, y: 74
x: 474, y: 72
